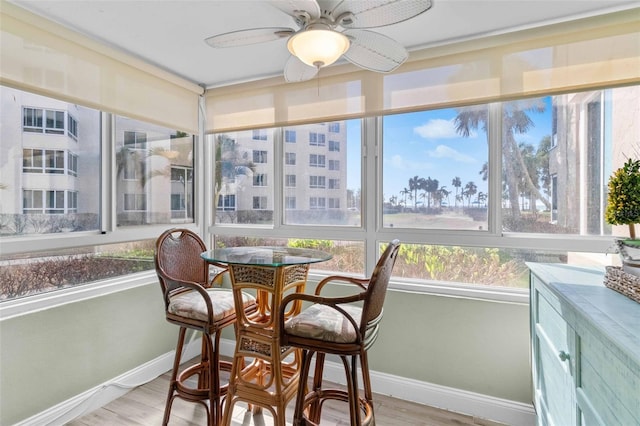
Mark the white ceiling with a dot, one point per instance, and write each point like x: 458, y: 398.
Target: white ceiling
x: 171, y: 33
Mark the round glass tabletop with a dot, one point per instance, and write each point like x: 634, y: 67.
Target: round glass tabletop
x: 265, y: 256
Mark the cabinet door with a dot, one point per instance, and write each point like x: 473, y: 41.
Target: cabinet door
x: 608, y: 385
x: 553, y: 344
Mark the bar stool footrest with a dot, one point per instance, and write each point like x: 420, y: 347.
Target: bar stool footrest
x: 318, y: 397
x: 194, y: 394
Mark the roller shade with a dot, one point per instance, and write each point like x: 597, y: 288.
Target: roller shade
x: 43, y: 57
x: 589, y: 53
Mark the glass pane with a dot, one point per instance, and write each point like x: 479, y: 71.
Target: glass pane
x: 30, y: 169
x: 348, y: 256
x: 152, y: 165
x: 323, y: 174
x: 558, y: 155
x: 40, y: 272
x: 435, y: 169
x: 243, y: 182
x: 473, y: 265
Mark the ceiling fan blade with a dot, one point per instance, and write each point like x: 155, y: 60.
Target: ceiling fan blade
x: 294, y: 7
x: 378, y: 13
x: 374, y: 51
x: 247, y: 37
x: 296, y: 71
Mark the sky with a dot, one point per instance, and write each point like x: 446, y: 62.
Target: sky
x: 426, y: 144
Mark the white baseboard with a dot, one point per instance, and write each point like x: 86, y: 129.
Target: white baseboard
x: 103, y: 394
x: 460, y: 401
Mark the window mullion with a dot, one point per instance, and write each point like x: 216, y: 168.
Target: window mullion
x: 494, y: 138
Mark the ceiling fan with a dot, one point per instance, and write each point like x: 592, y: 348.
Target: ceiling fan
x: 329, y: 29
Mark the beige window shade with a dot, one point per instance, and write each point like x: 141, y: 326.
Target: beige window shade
x: 40, y: 56
x: 579, y: 55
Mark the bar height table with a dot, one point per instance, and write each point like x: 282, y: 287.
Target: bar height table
x: 264, y: 374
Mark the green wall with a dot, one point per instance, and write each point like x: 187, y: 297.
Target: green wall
x: 50, y: 356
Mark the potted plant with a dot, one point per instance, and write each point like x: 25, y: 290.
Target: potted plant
x: 623, y: 208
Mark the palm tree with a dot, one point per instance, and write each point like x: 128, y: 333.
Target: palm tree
x: 442, y: 194
x: 405, y: 192
x: 414, y: 185
x: 469, y: 191
x: 457, y: 183
x: 515, y: 121
x: 431, y: 187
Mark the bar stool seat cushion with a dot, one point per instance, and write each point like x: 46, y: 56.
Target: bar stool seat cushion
x: 192, y: 305
x: 322, y: 322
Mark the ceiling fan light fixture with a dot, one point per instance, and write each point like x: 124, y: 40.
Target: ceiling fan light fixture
x: 318, y: 47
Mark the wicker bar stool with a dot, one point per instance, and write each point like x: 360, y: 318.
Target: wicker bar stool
x: 192, y: 303
x: 340, y: 327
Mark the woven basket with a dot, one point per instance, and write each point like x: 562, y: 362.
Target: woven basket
x: 622, y: 282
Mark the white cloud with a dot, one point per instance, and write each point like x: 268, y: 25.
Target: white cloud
x: 443, y: 151
x: 398, y: 162
x: 439, y: 128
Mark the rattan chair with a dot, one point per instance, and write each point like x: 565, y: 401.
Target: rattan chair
x: 342, y: 327
x: 191, y: 302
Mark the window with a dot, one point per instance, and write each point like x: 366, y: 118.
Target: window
x: 260, y: 179
x: 259, y: 156
x: 259, y: 203
x: 32, y: 120
x: 334, y: 146
x: 41, y: 144
x: 334, y: 203
x: 290, y: 181
x: 290, y: 158
x: 54, y: 162
x: 72, y: 127
x: 237, y: 173
x: 43, y: 121
x: 346, y: 179
x: 259, y: 135
x: 32, y: 161
x: 154, y: 165
x: 334, y: 127
x: 43, y: 202
x: 290, y: 203
x: 135, y: 202
x: 290, y: 136
x: 72, y: 164
x: 135, y: 140
x: 317, y: 181
x: 316, y: 160
x: 454, y: 160
x: 72, y: 201
x: 317, y: 203
x: 227, y: 202
x: 181, y: 192
x: 316, y: 139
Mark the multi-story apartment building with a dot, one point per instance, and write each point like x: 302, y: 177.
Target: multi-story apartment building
x: 51, y: 156
x: 314, y: 176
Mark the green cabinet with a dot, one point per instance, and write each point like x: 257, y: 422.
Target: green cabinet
x: 585, y: 341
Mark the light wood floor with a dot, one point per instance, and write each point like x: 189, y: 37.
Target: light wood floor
x: 144, y: 405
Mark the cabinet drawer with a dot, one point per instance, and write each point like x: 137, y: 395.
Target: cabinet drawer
x: 611, y: 386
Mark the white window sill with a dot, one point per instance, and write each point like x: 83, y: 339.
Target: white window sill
x: 39, y: 302
x: 52, y: 299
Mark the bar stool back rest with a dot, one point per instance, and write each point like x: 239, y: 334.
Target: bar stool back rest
x: 191, y: 303
x: 332, y: 326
